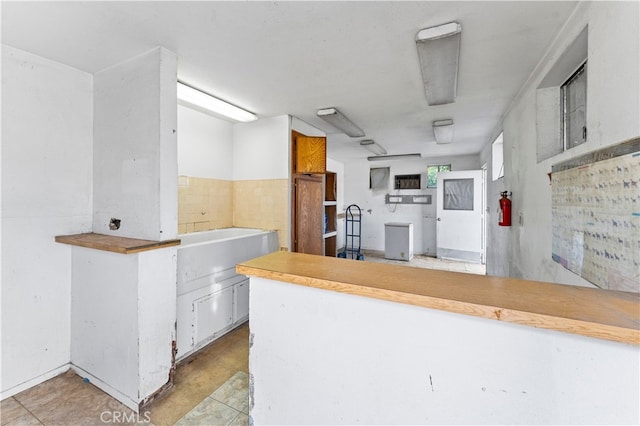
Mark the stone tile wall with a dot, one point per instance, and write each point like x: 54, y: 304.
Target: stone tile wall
x: 262, y: 204
x: 205, y: 204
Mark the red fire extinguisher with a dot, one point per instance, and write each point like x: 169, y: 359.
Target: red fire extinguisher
x: 505, y: 210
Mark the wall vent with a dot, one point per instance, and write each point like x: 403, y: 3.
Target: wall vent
x: 407, y: 181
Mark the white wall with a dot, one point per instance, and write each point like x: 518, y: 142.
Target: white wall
x: 613, y: 115
x: 261, y: 149
x: 135, y: 160
x: 47, y: 133
x: 376, y: 213
x: 323, y: 357
x: 305, y: 128
x: 205, y: 145
x: 498, y: 256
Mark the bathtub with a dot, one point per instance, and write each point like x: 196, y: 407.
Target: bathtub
x: 212, y: 299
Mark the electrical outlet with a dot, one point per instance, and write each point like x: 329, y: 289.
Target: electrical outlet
x: 114, y: 224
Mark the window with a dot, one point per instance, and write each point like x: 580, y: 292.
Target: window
x: 497, y: 158
x: 407, y: 182
x: 379, y: 178
x: 432, y: 174
x: 561, y: 101
x: 457, y: 194
x: 574, y: 108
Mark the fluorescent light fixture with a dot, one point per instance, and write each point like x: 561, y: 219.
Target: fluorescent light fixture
x: 393, y: 157
x: 340, y: 122
x: 203, y: 100
x: 439, y: 51
x: 443, y: 131
x: 373, y: 147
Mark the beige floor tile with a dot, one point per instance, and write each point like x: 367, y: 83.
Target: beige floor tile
x: 235, y: 356
x: 201, y: 374
x: 13, y: 413
x: 234, y: 392
x: 211, y: 413
x: 427, y: 262
x: 68, y: 400
x: 191, y: 387
x: 241, y: 420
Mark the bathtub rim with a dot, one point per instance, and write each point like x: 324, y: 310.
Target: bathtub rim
x: 257, y: 232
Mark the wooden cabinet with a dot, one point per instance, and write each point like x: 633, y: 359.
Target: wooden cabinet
x: 314, y: 197
x: 310, y: 154
x: 308, y: 226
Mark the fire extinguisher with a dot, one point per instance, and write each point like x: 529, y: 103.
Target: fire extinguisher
x: 505, y: 209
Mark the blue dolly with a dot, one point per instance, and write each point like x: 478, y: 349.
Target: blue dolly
x: 352, y: 235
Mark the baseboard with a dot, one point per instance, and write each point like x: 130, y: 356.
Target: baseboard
x: 124, y: 399
x: 34, y: 382
x: 375, y: 253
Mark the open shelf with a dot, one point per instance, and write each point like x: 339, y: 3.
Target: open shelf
x: 330, y: 186
x: 330, y: 217
x: 330, y: 213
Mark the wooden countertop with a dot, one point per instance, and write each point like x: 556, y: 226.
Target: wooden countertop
x: 603, y: 314
x: 114, y: 244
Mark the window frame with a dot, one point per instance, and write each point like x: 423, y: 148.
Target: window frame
x: 497, y: 157
x: 564, y: 114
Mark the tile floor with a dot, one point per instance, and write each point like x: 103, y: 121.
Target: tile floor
x: 421, y: 261
x: 210, y: 388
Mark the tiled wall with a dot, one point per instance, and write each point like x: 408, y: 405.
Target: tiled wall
x: 205, y: 204
x: 262, y: 204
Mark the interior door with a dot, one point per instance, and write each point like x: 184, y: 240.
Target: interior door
x: 309, y: 224
x: 460, y: 209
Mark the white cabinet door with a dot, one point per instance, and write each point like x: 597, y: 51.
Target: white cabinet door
x: 241, y: 301
x: 212, y: 313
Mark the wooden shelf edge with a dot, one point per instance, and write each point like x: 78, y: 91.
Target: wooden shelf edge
x: 122, y: 245
x: 627, y: 331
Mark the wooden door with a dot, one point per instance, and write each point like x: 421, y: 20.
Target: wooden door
x: 308, y: 215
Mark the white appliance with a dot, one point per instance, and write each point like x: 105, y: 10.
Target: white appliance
x: 398, y: 241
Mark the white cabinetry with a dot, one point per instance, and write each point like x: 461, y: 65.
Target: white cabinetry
x: 212, y: 314
x: 212, y: 298
x: 241, y: 301
x: 209, y: 312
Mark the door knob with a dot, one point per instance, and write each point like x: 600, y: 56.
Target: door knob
x: 438, y: 219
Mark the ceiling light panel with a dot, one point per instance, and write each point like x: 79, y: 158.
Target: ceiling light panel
x: 203, y: 100
x: 340, y: 122
x: 373, y: 146
x: 443, y: 131
x: 394, y: 157
x: 439, y: 52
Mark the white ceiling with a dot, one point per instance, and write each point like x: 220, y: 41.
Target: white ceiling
x: 276, y: 58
